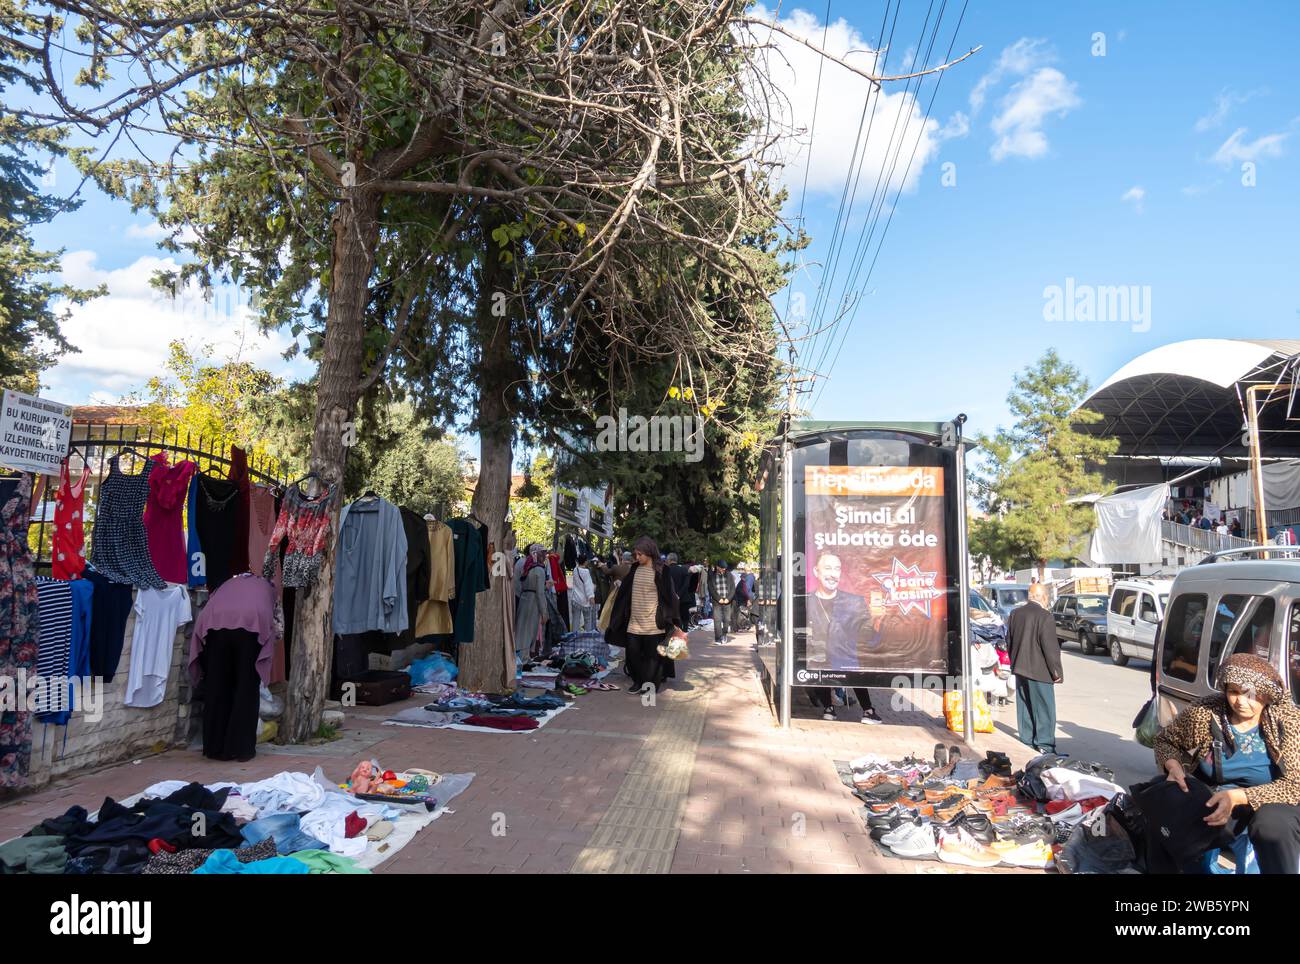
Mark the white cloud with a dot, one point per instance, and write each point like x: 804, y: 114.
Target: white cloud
x: 1019, y: 125
x: 1237, y: 148
x: 152, y: 231
x: 1015, y: 61
x: 894, y: 125
x: 1223, y: 105
x: 123, y: 336
x: 1137, y: 194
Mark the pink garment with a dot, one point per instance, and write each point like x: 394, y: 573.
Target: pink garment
x: 164, y: 516
x: 243, y: 602
x: 261, y: 511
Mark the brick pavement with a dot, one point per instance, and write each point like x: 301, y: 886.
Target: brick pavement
x: 601, y: 787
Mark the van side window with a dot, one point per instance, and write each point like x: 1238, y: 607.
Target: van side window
x: 1293, y: 650
x: 1183, y: 625
x: 1148, y: 607
x: 1250, y: 637
x: 1123, y: 604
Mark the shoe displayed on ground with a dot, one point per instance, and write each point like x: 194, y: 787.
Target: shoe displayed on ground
x: 878, y: 833
x: 911, y: 840
x: 954, y: 752
x: 875, y: 780
x: 917, y: 806
x: 871, y: 761
x: 993, y: 782
x: 940, y: 755
x: 1036, y: 853
x: 959, y: 847
x: 978, y: 826
x: 949, y: 807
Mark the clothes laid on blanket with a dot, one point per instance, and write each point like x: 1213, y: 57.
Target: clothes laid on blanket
x: 189, y: 861
x: 283, y: 792
x: 110, y: 609
x: 370, y: 582
x: 305, y: 522
x: 19, y: 623
x: 159, y: 613
x: 328, y: 822
x: 285, y: 830
x: 33, y: 855
x: 64, y: 653
x: 469, y: 547
x: 245, y: 602
x: 434, y: 617
x: 324, y: 862
x: 164, y: 514
x: 119, y: 546
x: 68, y: 544
x: 502, y: 722
x: 425, y: 716
x: 172, y: 819
x: 216, y: 517
x: 228, y: 862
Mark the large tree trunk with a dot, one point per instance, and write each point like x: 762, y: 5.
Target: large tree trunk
x: 485, y: 665
x: 356, y: 233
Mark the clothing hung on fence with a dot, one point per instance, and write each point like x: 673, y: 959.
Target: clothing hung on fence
x: 19, y: 624
x: 216, y: 517
x: 110, y: 610
x: 196, y: 574
x: 119, y: 546
x: 305, y: 523
x: 164, y: 517
x: 434, y: 618
x: 245, y: 602
x: 238, y: 474
x: 469, y: 547
x: 261, y: 523
x: 159, y: 613
x: 63, y: 650
x: 68, y: 544
x: 370, y: 580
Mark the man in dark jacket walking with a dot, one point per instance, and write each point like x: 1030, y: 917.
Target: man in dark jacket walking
x: 723, y: 590
x: 1035, y: 655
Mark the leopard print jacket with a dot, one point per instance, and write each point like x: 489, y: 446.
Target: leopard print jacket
x: 1189, y: 737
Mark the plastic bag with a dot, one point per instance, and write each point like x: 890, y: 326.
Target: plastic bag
x: 269, y: 706
x: 1149, y: 728
x: 954, y: 718
x: 434, y: 668
x: 607, y: 610
x: 675, y: 648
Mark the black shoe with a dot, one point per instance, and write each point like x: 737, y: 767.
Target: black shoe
x: 954, y: 753
x: 634, y: 688
x: 940, y: 755
x: 979, y: 826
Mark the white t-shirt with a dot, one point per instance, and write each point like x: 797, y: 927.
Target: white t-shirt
x: 158, y: 614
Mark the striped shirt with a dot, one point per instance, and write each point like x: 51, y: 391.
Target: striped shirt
x: 55, y: 641
x: 645, y: 601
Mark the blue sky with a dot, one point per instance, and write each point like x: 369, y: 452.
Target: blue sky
x: 1123, y: 169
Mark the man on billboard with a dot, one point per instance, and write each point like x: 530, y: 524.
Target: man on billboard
x: 839, y: 621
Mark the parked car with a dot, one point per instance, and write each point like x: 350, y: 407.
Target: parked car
x: 982, y: 611
x: 1133, y: 618
x: 1081, y: 617
x: 1231, y: 604
x: 1006, y: 596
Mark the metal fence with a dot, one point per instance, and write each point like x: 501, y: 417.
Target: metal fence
x: 1206, y: 540
x: 95, y: 444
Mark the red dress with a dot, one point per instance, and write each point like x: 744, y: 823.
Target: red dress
x: 163, y: 516
x: 69, y: 543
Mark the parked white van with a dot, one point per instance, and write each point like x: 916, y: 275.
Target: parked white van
x: 1234, y: 602
x: 1136, y: 608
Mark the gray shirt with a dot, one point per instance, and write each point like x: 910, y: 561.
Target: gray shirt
x: 370, y: 579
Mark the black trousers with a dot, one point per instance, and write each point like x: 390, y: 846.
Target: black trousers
x: 684, y: 610
x: 230, y: 688
x: 562, y: 604
x: 722, y: 620
x: 644, y: 664
x: 821, y: 697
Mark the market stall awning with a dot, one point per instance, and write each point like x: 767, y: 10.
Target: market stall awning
x: 1188, y: 399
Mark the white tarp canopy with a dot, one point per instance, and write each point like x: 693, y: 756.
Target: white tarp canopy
x: 1128, y: 526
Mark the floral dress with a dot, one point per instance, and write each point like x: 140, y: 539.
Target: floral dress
x: 19, y: 621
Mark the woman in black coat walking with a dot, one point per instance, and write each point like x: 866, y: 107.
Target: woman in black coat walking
x: 645, y: 613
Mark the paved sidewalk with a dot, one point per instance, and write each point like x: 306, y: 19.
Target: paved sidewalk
x: 702, y: 781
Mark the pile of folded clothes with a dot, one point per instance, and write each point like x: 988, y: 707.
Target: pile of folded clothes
x: 959, y: 811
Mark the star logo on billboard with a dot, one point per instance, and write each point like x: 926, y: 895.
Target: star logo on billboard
x: 908, y: 588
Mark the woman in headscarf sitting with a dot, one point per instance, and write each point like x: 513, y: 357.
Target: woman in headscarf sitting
x: 1232, y: 765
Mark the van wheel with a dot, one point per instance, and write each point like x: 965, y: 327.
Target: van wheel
x: 1086, y: 644
x: 1116, y: 654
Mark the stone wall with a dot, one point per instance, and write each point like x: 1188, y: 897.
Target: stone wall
x: 122, y: 732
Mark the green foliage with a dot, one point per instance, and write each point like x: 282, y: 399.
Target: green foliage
x: 402, y: 458
x: 31, y: 339
x: 1033, y: 470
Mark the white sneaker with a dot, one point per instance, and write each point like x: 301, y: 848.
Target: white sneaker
x: 961, y: 848
x: 870, y: 719
x: 910, y: 840
x: 828, y: 714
